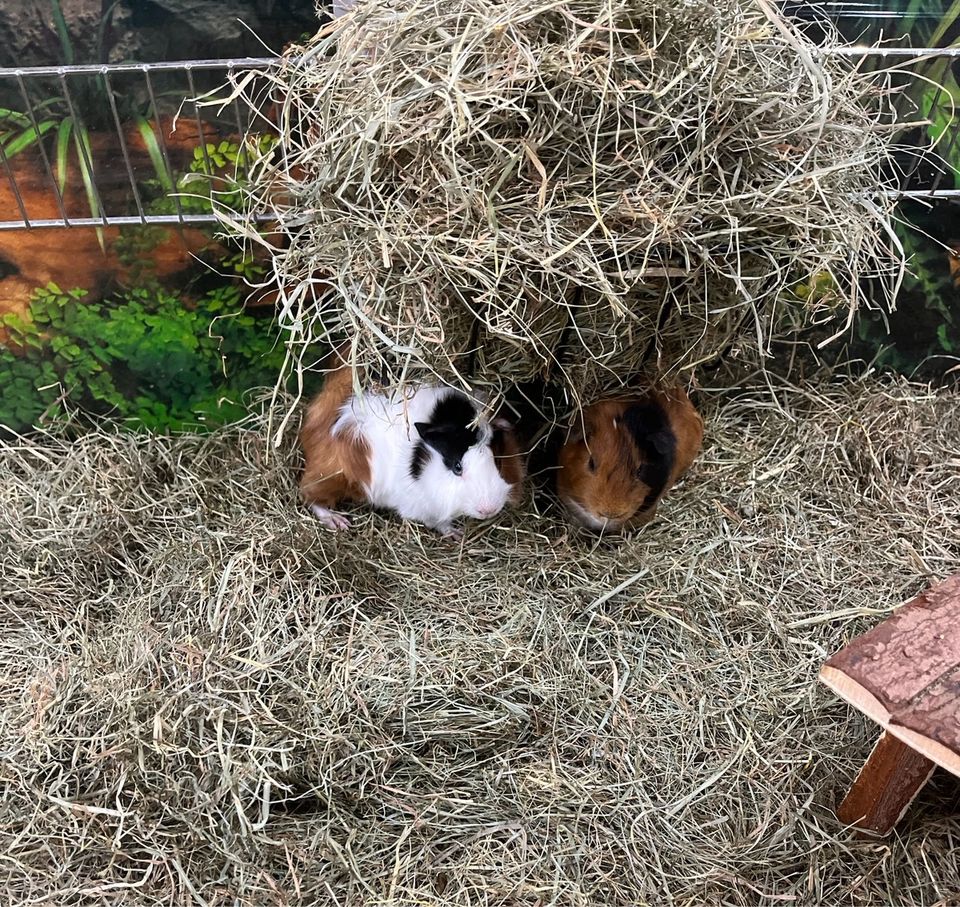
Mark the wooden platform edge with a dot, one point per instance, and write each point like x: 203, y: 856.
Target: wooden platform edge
x: 862, y: 699
x: 858, y: 696
x: 935, y: 752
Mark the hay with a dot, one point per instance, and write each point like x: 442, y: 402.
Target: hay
x: 210, y: 700
x: 484, y: 188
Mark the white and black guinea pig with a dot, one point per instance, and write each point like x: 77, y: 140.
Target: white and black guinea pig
x: 424, y: 453
x: 623, y: 455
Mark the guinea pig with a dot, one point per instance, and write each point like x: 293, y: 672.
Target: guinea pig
x: 624, y: 454
x: 424, y: 452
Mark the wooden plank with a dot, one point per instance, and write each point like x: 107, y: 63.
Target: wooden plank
x: 931, y: 729
x: 886, y: 786
x: 905, y: 674
x: 856, y: 695
x: 901, y: 657
x: 930, y: 722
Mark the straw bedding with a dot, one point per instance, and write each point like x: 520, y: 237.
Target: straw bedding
x: 485, y: 188
x: 210, y: 700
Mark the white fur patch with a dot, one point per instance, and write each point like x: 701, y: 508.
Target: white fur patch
x: 586, y: 518
x: 437, y: 497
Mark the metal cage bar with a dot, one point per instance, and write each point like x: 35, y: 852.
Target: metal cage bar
x: 43, y: 151
x: 123, y: 147
x: 106, y: 185
x: 124, y: 204
x: 84, y: 152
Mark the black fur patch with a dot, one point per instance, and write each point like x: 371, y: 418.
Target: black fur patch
x: 648, y: 425
x: 447, y: 432
x: 419, y: 459
x: 498, y: 444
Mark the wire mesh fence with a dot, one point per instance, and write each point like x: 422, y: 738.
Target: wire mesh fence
x: 118, y: 145
x: 135, y: 144
x: 928, y: 154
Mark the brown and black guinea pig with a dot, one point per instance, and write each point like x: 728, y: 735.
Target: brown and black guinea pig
x: 622, y: 455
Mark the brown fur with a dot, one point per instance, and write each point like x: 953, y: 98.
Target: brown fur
x: 335, y: 469
x: 613, y: 491
x: 509, y: 460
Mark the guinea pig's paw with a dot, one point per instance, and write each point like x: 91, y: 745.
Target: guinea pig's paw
x: 331, y: 520
x: 455, y: 533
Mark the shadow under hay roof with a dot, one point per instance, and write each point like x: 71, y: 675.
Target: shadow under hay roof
x: 464, y: 184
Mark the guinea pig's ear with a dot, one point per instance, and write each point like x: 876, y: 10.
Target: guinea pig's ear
x: 433, y: 434
x: 426, y: 430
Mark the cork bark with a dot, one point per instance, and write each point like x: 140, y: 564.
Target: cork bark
x: 886, y: 786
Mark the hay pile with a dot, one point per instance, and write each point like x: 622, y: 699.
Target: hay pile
x: 486, y: 187
x: 210, y: 700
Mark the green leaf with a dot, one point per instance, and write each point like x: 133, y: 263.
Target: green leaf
x: 947, y: 19
x: 944, y: 339
x: 27, y: 138
x: 156, y: 154
x: 62, y: 32
x: 63, y: 148
x: 85, y: 154
x: 15, y: 117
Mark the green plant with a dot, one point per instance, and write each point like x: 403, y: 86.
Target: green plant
x: 243, y: 264
x: 67, y: 118
x: 925, y: 328
x: 134, y: 248
x: 145, y: 358
x: 218, y: 173
x: 18, y: 133
x: 929, y: 91
x: 59, y: 115
x: 56, y: 116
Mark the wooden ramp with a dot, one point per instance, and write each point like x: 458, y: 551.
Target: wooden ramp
x: 904, y: 674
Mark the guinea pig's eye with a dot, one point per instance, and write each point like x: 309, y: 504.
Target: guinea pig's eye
x: 458, y: 469
x: 592, y: 466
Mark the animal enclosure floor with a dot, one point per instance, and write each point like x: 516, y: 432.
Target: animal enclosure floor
x: 209, y: 699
